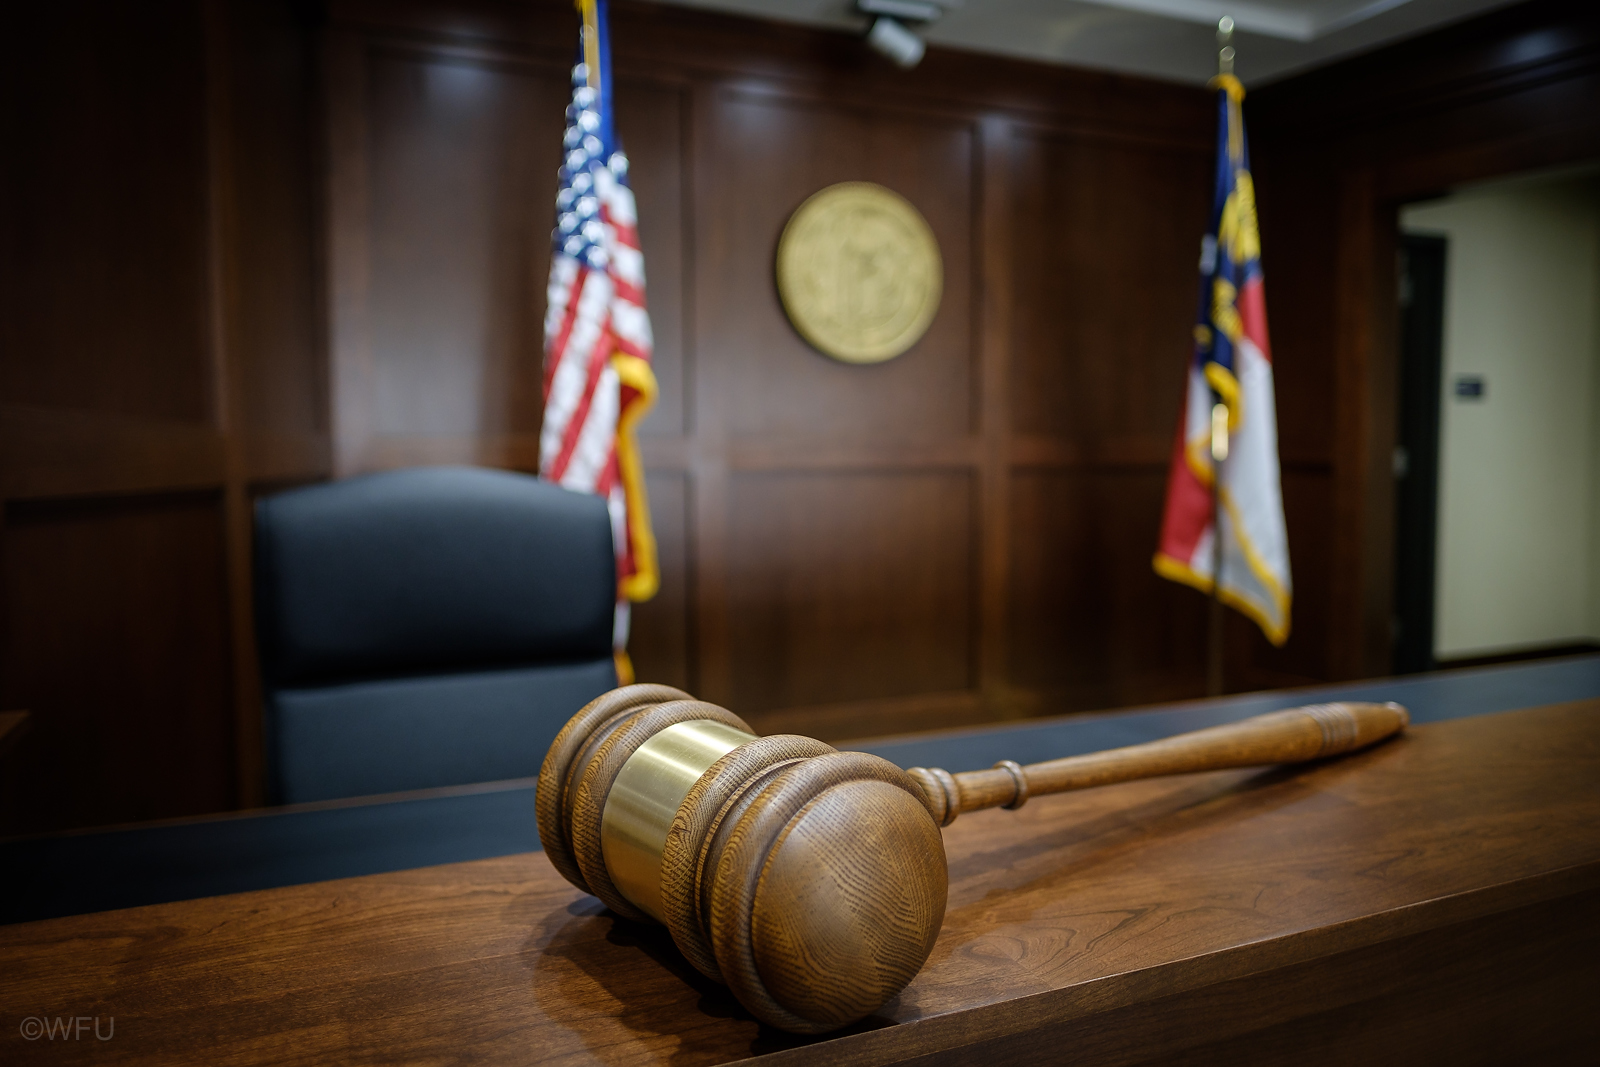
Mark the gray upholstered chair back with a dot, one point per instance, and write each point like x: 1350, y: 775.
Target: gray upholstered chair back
x: 427, y: 627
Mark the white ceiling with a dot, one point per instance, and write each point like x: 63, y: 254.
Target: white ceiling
x: 1170, y: 39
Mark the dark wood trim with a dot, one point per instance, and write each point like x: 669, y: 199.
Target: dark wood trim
x: 1125, y: 451
x: 993, y: 401
x: 285, y: 457
x: 777, y: 455
x: 348, y: 270
x: 228, y: 405
x: 711, y: 660
x: 515, y: 451
x: 57, y: 452
x: 1353, y: 333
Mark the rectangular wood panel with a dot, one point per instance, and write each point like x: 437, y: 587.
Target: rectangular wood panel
x: 845, y: 587
x: 276, y: 328
x: 1106, y: 242
x: 462, y: 171
x: 103, y: 190
x: 772, y: 153
x: 1091, y: 624
x: 116, y: 628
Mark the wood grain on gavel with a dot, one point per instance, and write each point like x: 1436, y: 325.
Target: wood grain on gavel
x: 813, y: 882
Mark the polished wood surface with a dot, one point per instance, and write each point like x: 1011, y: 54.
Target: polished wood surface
x: 1312, y: 732
x: 1428, y: 900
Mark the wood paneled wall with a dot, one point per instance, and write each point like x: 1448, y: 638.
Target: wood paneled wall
x: 162, y: 363
x: 249, y: 244
x: 847, y: 550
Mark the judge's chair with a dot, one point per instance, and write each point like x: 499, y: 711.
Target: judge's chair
x: 427, y: 627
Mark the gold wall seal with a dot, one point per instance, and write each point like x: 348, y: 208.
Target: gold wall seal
x: 859, y: 272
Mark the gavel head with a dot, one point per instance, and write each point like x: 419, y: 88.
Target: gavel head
x: 810, y: 881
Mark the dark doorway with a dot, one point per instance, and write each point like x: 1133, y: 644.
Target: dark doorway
x: 1416, y: 459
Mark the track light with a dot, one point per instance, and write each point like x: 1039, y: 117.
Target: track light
x: 895, y: 41
x: 889, y: 33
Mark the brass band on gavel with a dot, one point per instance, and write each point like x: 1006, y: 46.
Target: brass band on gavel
x: 811, y: 881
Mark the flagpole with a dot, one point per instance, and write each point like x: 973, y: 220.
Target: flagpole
x: 1219, y: 456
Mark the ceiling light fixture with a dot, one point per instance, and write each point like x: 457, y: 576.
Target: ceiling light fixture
x: 891, y: 36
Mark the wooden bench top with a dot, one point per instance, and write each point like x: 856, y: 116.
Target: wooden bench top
x: 1134, y: 920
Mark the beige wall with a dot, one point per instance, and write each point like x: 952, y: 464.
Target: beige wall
x: 1519, y: 503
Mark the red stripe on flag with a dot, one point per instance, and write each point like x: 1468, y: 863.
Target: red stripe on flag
x: 557, y: 349
x: 627, y: 291
x: 1188, y: 510
x: 627, y: 235
x: 599, y: 356
x: 1252, y: 305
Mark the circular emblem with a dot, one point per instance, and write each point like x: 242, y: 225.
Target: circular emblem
x: 859, y: 272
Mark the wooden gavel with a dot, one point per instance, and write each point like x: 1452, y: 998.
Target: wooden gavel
x: 810, y: 881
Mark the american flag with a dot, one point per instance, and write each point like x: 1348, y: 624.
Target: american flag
x: 598, y: 383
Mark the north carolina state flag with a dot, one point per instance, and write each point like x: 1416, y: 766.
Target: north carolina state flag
x: 1232, y: 365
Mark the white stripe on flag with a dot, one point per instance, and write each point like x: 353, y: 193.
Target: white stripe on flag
x: 563, y: 269
x: 627, y: 263
x: 597, y: 437
x: 572, y: 372
x: 631, y: 323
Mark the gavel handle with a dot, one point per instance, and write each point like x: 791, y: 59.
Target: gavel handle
x: 1315, y: 731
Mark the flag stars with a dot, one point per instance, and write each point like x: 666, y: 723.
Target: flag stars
x: 581, y: 230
